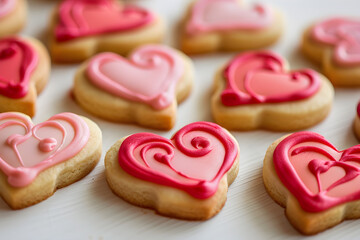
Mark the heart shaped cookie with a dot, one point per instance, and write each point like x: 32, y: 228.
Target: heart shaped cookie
x: 12, y: 16
x: 185, y: 177
x: 36, y: 160
x: 25, y: 70
x: 212, y: 25
x: 144, y: 88
x: 88, y: 27
x: 313, y: 180
x: 256, y: 90
x: 335, y: 44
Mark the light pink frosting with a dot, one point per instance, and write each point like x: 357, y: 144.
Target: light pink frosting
x: 194, y: 160
x: 6, y: 6
x: 344, y: 35
x: 17, y: 62
x: 149, y: 76
x: 223, y: 15
x: 316, y: 173
x: 27, y: 150
x: 93, y: 17
x: 260, y: 77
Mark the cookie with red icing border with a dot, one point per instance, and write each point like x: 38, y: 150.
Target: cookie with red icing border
x: 143, y: 89
x: 334, y: 44
x: 37, y: 160
x: 228, y: 25
x: 184, y: 177
x: 257, y: 90
x: 82, y: 28
x: 317, y: 184
x: 12, y: 16
x: 25, y: 69
x: 357, y: 122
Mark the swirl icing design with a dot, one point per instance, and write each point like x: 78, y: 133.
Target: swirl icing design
x: 344, y: 35
x: 223, y: 15
x: 26, y: 150
x: 194, y: 160
x: 316, y: 173
x: 17, y: 62
x: 93, y: 17
x: 6, y: 6
x: 260, y: 77
x: 149, y: 76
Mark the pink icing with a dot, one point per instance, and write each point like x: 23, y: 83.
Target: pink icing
x: 6, y: 6
x: 316, y: 173
x: 344, y: 35
x: 194, y: 160
x: 17, y: 62
x: 358, y: 109
x: 149, y: 76
x: 260, y: 77
x: 26, y: 150
x: 222, y: 15
x: 93, y: 17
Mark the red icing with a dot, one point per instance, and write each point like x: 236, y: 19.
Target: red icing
x: 79, y: 18
x: 194, y: 160
x: 260, y: 77
x: 358, y: 109
x: 316, y: 173
x: 17, y: 62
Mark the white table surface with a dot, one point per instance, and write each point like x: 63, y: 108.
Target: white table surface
x: 89, y: 210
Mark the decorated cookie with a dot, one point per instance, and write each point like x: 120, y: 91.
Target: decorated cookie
x: 357, y: 122
x: 24, y: 71
x: 228, y: 25
x: 335, y: 44
x: 83, y: 28
x: 317, y: 184
x: 37, y: 160
x: 143, y: 89
x: 12, y: 16
x: 256, y: 90
x: 184, y: 177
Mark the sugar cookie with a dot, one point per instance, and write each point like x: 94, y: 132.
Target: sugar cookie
x: 12, y: 16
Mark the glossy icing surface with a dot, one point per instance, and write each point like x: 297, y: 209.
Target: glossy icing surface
x: 6, y: 6
x: 149, y: 75
x: 17, y: 62
x: 194, y: 160
x: 82, y: 18
x: 26, y: 150
x: 344, y: 35
x: 223, y: 15
x: 261, y: 77
x: 316, y: 173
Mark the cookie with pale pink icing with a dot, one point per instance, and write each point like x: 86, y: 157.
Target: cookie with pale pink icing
x: 144, y: 89
x: 228, y: 25
x: 12, y: 16
x: 82, y: 28
x: 36, y: 160
x: 257, y: 90
x: 25, y: 69
x: 334, y: 44
x: 317, y: 184
x: 185, y: 177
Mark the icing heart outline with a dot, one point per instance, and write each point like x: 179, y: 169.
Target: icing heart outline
x: 72, y: 23
x: 28, y: 64
x: 317, y: 201
x: 143, y: 60
x: 200, y: 146
x: 22, y: 175
x: 272, y: 63
x: 343, y: 35
x: 259, y: 16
